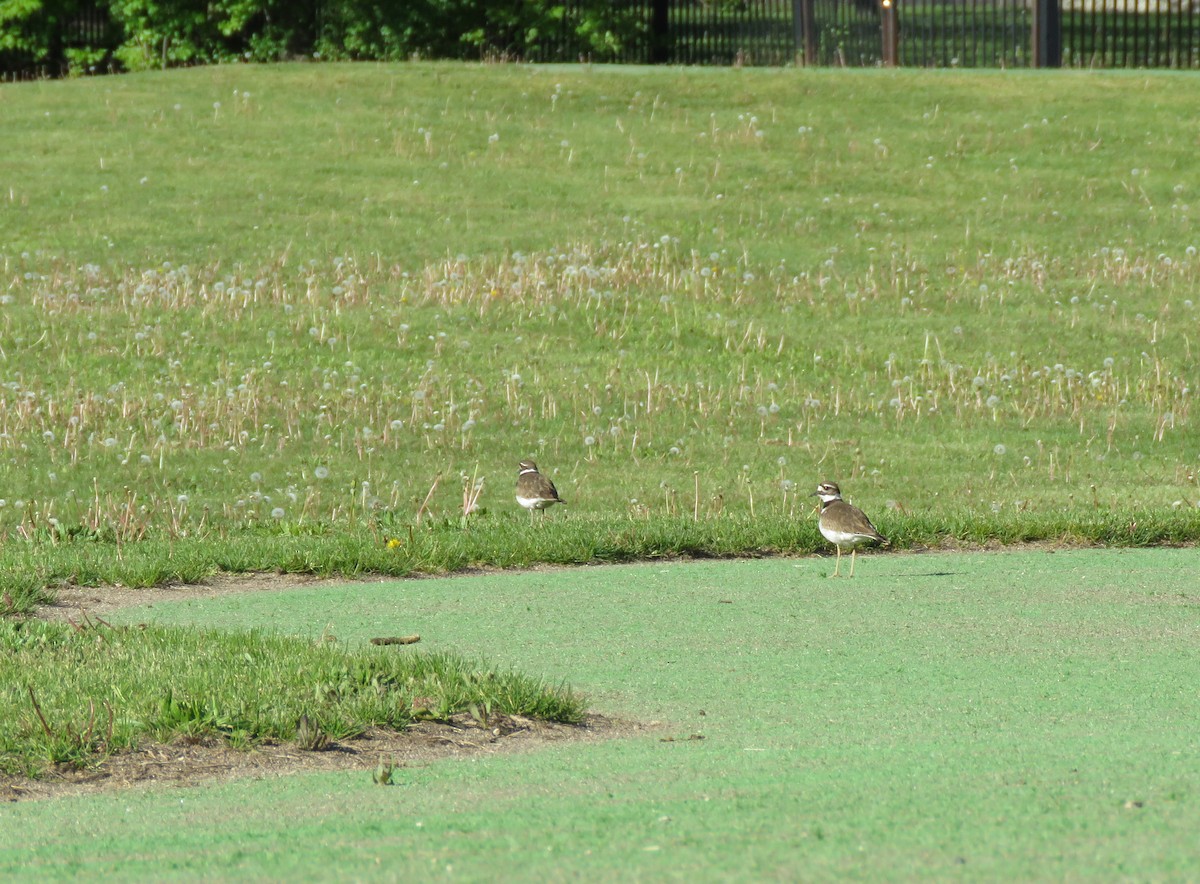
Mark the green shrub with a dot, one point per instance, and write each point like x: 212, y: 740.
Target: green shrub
x: 144, y: 34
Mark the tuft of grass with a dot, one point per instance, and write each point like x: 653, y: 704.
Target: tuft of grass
x: 70, y: 694
x: 24, y: 590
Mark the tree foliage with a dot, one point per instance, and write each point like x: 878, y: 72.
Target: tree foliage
x: 74, y: 36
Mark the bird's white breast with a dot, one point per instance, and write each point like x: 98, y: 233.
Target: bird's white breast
x: 844, y: 538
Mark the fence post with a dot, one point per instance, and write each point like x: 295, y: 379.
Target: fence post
x: 891, y: 33
x: 804, y: 29
x: 660, y: 32
x: 1047, y: 34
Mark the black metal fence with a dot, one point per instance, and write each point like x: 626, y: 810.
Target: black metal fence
x: 1131, y: 33
x: 844, y: 33
x: 757, y: 32
x: 690, y: 32
x: 994, y: 33
x: 851, y: 33
x: 968, y: 33
x: 929, y: 33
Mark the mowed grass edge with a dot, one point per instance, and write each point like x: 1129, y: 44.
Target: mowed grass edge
x: 33, y: 572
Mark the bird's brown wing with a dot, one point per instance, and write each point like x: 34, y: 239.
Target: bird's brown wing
x: 852, y: 519
x: 537, y: 486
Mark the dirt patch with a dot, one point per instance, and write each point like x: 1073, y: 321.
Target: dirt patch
x: 71, y: 602
x: 189, y: 762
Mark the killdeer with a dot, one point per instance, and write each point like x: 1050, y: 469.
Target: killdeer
x: 844, y: 525
x: 535, y: 491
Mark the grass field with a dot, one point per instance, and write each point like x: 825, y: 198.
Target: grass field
x: 1013, y: 716
x: 251, y: 309
x: 308, y: 318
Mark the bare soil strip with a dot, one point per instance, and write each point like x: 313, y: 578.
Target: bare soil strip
x: 188, y: 762
x: 71, y: 602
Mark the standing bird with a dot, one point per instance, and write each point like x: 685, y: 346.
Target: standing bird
x: 535, y: 491
x: 844, y: 525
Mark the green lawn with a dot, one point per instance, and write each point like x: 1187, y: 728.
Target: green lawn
x: 1014, y: 716
x: 251, y: 314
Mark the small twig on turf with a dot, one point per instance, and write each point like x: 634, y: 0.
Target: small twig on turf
x: 396, y: 640
x: 38, y: 710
